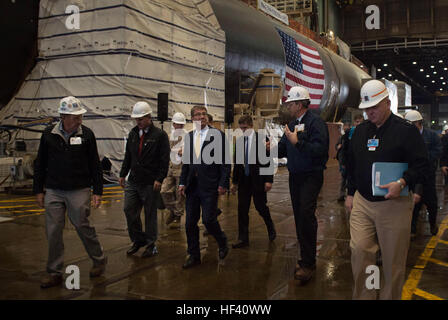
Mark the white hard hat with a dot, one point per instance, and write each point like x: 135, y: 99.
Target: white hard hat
x: 140, y: 109
x: 372, y: 92
x: 179, y: 118
x: 71, y: 105
x: 445, y: 127
x: 413, y: 115
x: 297, y: 94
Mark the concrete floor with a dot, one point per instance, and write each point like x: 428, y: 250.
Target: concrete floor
x: 262, y: 271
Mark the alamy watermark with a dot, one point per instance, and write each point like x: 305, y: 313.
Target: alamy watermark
x: 219, y: 148
x: 373, y: 280
x: 373, y: 20
x: 72, y: 282
x: 72, y: 22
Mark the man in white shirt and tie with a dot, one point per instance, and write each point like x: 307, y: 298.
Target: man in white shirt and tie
x: 250, y: 183
x: 205, y: 176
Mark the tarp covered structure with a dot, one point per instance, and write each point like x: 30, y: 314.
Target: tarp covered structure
x: 123, y: 52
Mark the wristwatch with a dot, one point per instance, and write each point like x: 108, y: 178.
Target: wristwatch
x: 400, y: 183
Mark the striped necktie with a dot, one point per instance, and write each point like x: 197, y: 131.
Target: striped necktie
x: 246, y: 156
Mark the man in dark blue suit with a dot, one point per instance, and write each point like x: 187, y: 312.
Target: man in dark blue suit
x: 251, y: 181
x: 205, y: 176
x: 429, y: 198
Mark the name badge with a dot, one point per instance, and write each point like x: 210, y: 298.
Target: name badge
x: 300, y: 127
x: 372, y: 144
x: 75, y: 140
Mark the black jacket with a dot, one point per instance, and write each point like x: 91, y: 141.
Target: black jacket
x: 444, y: 157
x: 311, y: 152
x: 399, y: 141
x: 65, y: 166
x: 434, y: 147
x: 154, y: 160
x: 254, y: 165
x: 208, y: 176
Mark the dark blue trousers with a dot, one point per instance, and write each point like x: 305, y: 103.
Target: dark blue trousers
x: 304, y: 189
x: 208, y: 201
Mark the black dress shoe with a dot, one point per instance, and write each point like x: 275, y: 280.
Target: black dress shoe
x: 222, y: 252
x: 240, y: 244
x: 150, y: 251
x: 191, y: 262
x: 434, y: 230
x: 134, y: 248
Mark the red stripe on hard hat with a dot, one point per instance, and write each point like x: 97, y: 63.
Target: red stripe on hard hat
x: 379, y: 93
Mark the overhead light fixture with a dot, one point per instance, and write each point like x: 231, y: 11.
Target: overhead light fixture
x: 444, y: 121
x: 432, y: 67
x: 385, y: 65
x: 441, y: 78
x: 443, y: 83
x: 432, y: 81
x: 414, y: 62
x: 427, y: 76
x: 433, y: 122
x: 440, y: 61
x: 445, y: 69
x: 421, y: 70
x: 379, y: 70
x: 435, y: 72
x: 442, y: 90
x: 396, y: 79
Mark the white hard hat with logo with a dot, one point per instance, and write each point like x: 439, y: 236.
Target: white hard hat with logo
x: 445, y: 127
x: 372, y: 92
x: 297, y: 94
x: 141, y: 109
x: 71, y: 105
x: 179, y: 118
x: 413, y: 115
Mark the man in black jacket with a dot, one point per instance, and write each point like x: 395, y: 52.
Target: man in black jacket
x: 250, y: 182
x: 205, y: 176
x: 429, y: 197
x: 67, y: 165
x: 381, y: 222
x: 147, y: 158
x: 305, y: 144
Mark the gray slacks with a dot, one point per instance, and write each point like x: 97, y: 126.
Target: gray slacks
x: 136, y: 197
x: 77, y: 205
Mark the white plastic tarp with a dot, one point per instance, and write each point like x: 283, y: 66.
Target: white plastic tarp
x: 124, y: 51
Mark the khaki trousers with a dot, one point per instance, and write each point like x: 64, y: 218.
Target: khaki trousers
x: 387, y: 223
x: 174, y: 202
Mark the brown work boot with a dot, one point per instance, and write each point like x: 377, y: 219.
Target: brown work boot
x: 98, y: 268
x: 51, y: 280
x: 304, y: 274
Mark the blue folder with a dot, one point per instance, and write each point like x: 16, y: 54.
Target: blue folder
x: 386, y: 172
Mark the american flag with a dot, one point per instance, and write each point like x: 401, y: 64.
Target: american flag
x: 304, y: 68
